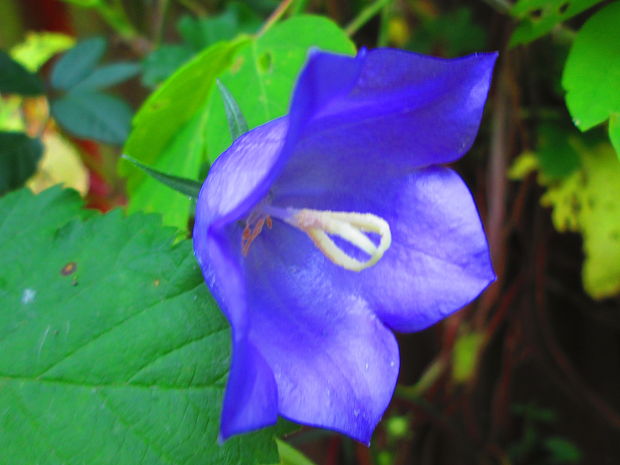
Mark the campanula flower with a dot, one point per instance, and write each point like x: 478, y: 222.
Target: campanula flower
x: 322, y: 232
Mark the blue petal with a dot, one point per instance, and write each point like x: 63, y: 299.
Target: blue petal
x: 439, y: 259
x: 403, y: 111
x: 334, y: 361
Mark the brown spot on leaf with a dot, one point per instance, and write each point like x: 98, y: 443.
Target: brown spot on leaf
x: 68, y: 269
x: 156, y: 283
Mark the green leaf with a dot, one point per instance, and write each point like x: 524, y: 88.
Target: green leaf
x: 538, y: 17
x: 562, y: 450
x: 183, y: 185
x: 588, y: 201
x: 93, y: 115
x: 19, y: 156
x: 161, y: 63
x: 77, y: 63
x: 291, y: 456
x: 592, y: 72
x: 264, y: 72
x: 236, y: 19
x: 113, y: 352
x: 465, y: 355
x: 556, y: 154
x: 169, y: 134
x: 197, y: 34
x: 15, y: 79
x: 614, y: 132
x: 108, y: 75
x: 236, y: 121
x: 453, y: 32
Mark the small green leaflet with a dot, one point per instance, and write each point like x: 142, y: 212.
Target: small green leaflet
x: 77, y: 63
x: 83, y: 110
x: 113, y: 352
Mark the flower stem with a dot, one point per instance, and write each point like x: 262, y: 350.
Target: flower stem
x: 364, y: 16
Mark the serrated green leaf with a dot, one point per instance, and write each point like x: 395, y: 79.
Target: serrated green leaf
x: 592, y: 72
x: 93, y: 115
x: 169, y: 133
x: 15, y: 79
x: 107, y: 75
x: 237, y: 124
x: 538, y: 17
x: 77, y: 63
x: 112, y: 349
x: 183, y: 185
x: 264, y: 72
x: 19, y: 155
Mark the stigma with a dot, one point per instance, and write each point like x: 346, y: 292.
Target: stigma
x: 321, y: 226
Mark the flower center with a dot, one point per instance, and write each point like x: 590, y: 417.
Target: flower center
x: 319, y: 225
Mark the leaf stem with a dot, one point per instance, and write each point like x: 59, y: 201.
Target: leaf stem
x: 275, y: 16
x: 364, y: 16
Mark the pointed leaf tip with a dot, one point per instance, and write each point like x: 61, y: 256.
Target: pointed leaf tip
x: 236, y: 121
x: 185, y: 186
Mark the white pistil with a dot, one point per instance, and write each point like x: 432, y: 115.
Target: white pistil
x: 350, y: 226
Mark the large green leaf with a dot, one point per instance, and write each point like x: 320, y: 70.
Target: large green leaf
x: 19, y: 155
x: 181, y: 123
x: 113, y: 352
x: 264, y: 72
x: 15, y: 79
x: 538, y: 17
x: 592, y: 73
x: 93, y: 115
x: 169, y: 134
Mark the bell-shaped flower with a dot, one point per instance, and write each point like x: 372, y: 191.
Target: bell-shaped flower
x: 321, y: 232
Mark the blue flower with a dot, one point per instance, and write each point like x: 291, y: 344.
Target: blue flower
x: 321, y: 232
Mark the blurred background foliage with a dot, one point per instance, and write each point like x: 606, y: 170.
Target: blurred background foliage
x: 529, y: 373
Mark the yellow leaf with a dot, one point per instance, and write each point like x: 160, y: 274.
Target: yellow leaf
x: 39, y: 47
x: 588, y: 201
x: 60, y: 164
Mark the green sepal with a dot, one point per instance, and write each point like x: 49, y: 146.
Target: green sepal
x: 236, y: 121
x: 185, y: 186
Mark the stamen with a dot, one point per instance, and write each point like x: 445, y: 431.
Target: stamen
x: 350, y: 226
x: 251, y: 231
